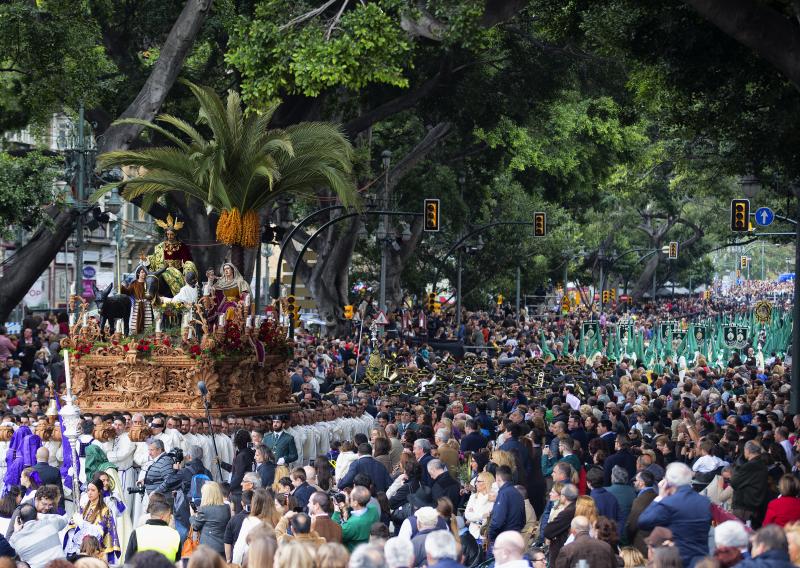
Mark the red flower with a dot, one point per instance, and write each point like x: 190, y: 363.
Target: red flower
x: 166, y: 342
x: 125, y: 347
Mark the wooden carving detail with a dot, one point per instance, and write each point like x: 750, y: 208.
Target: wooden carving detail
x: 166, y: 381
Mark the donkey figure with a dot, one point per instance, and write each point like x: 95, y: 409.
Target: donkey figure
x: 112, y: 307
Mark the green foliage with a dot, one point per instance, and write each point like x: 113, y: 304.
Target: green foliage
x: 52, y: 57
x: 275, y: 56
x: 26, y: 189
x: 244, y: 165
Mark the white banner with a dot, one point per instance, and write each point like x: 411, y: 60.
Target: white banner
x: 36, y: 296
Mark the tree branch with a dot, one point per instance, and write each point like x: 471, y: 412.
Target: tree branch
x: 419, y: 152
x: 307, y: 16
x: 762, y: 29
x: 425, y: 25
x: 163, y: 76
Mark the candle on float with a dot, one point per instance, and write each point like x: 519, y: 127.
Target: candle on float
x: 66, y: 372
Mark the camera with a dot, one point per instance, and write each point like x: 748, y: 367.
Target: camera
x: 136, y: 490
x: 340, y: 497
x: 176, y: 454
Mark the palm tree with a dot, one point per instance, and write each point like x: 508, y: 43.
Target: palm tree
x: 243, y: 166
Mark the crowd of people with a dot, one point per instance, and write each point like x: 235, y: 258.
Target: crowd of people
x: 451, y: 459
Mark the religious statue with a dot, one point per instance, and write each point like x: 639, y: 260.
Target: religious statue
x: 142, y: 311
x: 171, y: 256
x: 228, y: 290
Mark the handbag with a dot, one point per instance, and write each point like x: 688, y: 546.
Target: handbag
x: 190, y: 544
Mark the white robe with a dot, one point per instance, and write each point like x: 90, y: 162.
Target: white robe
x: 120, y: 452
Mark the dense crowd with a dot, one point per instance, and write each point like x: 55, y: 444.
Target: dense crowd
x: 449, y: 459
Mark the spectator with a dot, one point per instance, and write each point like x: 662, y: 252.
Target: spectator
x: 624, y: 493
x: 212, y: 518
x: 644, y: 485
x: 155, y: 535
x: 422, y: 451
x: 369, y: 466
x: 357, y: 521
x: 446, y: 453
x: 319, y: 507
x: 607, y: 505
x: 440, y: 550
x: 749, y: 482
x: 584, y: 547
x: 235, y: 525
x: 301, y: 491
x: 480, y: 505
x: 473, y: 440
x: 508, y: 513
x: 786, y: 508
x: 36, y: 540
x: 265, y: 465
x: 330, y: 555
x: 769, y: 549
x: 730, y: 543
x: 301, y: 532
x: 678, y: 508
x: 293, y: 555
x: 557, y: 530
x: 399, y: 553
x: 509, y: 550
x: 367, y: 556
x: 427, y: 520
x: 443, y: 484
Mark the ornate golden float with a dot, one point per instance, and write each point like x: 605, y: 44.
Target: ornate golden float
x: 243, y: 363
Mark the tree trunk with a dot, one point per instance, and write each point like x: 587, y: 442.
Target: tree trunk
x: 237, y: 257
x: 32, y: 259
x: 395, y: 263
x: 27, y: 264
x: 644, y: 284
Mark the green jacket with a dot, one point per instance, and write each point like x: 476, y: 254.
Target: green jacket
x: 282, y: 446
x: 355, y: 530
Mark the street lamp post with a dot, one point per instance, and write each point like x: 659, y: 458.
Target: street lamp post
x: 384, y: 231
x: 114, y: 206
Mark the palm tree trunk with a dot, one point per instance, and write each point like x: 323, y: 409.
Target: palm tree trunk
x: 237, y: 257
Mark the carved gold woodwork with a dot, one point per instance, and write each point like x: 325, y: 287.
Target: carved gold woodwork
x: 111, y: 379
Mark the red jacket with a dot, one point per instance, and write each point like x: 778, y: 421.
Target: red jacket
x: 782, y: 511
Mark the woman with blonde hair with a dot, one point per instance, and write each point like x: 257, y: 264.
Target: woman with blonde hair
x: 632, y: 557
x: 204, y: 557
x: 262, y: 510
x: 501, y: 457
x: 261, y: 552
x: 332, y: 555
x: 586, y: 507
x: 480, y: 504
x: 212, y: 517
x: 292, y: 555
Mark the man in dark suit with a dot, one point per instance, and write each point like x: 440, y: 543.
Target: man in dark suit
x: 48, y: 474
x: 508, y: 513
x: 319, y: 507
x: 302, y: 490
x: 422, y: 451
x: 645, y: 485
x: 367, y: 465
x: 473, y: 440
x: 443, y: 484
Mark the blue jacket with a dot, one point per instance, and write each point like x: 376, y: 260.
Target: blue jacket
x: 303, y: 494
x: 427, y: 480
x: 623, y: 458
x: 508, y: 513
x: 473, y: 442
x: 371, y: 467
x: 688, y: 515
x: 607, y: 504
x: 768, y: 559
x: 515, y: 446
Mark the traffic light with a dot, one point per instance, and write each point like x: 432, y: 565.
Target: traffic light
x: 437, y: 308
x: 740, y: 215
x: 630, y: 300
x: 348, y: 311
x: 540, y: 224
x: 431, y: 302
x: 743, y: 262
x: 291, y: 308
x: 673, y: 250
x: 606, y: 296
x: 613, y: 294
x: 431, y: 215
x: 707, y: 295
x: 499, y: 299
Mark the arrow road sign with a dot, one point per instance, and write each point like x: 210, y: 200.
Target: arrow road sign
x: 765, y: 216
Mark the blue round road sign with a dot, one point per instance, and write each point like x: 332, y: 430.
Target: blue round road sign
x: 765, y: 216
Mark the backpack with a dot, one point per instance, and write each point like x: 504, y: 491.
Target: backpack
x: 196, y: 487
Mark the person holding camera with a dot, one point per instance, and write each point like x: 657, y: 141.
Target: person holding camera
x: 157, y: 469
x: 242, y: 463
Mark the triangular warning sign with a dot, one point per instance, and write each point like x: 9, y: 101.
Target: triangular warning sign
x: 381, y: 319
